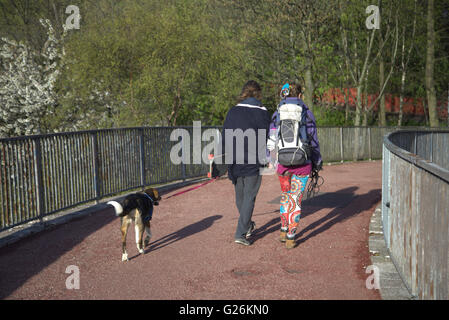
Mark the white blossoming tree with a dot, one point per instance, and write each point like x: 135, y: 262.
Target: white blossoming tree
x: 27, y: 81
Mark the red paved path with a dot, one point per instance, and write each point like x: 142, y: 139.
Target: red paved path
x: 192, y: 254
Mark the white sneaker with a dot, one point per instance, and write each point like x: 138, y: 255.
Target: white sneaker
x: 251, y: 229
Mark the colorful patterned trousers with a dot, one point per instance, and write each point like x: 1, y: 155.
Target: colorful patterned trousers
x: 292, y: 187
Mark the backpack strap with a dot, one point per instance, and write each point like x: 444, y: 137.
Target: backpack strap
x: 277, y: 120
x: 277, y: 124
x: 303, y: 127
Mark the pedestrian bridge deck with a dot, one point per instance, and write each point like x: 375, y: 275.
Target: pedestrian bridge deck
x: 192, y: 254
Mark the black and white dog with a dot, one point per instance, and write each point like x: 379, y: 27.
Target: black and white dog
x: 137, y: 207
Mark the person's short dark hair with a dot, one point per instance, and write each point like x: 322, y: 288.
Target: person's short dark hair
x: 251, y: 89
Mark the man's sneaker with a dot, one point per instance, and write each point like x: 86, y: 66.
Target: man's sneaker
x: 251, y: 229
x: 242, y: 241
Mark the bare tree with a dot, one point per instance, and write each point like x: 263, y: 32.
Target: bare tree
x: 430, y: 66
x: 361, y: 58
x: 405, y: 58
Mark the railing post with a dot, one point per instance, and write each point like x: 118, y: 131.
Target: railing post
x: 369, y: 143
x: 142, y: 159
x: 431, y: 147
x: 341, y: 144
x: 96, y: 167
x: 415, y: 143
x: 38, y: 179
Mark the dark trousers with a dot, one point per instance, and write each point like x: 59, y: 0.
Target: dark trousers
x: 246, y: 189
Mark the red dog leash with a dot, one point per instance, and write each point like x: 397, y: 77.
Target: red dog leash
x: 190, y: 189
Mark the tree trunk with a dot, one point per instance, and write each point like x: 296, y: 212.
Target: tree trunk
x: 357, y: 121
x: 347, y: 104
x: 403, y: 71
x: 310, y: 88
x: 401, y: 99
x: 175, y: 109
x: 358, y: 105
x: 293, y: 53
x: 404, y: 63
x: 345, y: 91
x: 430, y: 65
x: 426, y: 111
x: 308, y: 75
x: 366, y: 102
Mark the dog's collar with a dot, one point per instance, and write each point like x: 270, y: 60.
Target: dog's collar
x: 152, y: 201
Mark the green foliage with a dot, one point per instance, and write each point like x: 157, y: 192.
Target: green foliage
x: 160, y: 64
x: 145, y: 63
x: 326, y: 115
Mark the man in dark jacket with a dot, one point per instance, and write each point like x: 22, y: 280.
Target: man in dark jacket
x: 245, y: 133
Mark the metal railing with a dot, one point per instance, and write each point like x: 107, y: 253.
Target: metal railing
x: 44, y: 174
x: 415, y: 209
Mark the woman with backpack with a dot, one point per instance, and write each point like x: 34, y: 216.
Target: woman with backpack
x: 293, y: 115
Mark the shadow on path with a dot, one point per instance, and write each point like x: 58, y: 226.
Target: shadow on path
x: 183, y: 233
x: 338, y: 214
x: 28, y: 257
x: 344, y: 204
